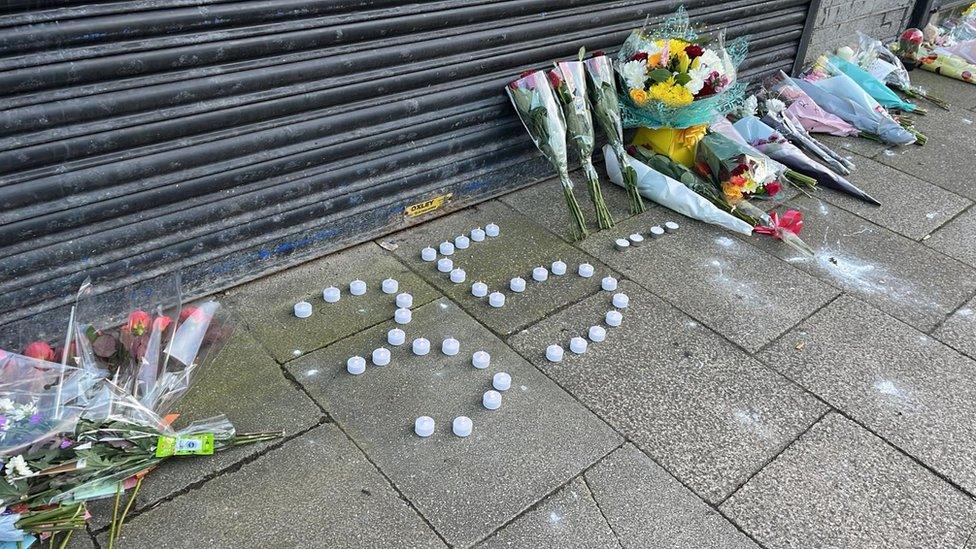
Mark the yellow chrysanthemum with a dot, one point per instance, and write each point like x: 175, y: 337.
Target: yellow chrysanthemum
x: 638, y: 96
x: 732, y: 192
x: 675, y: 45
x: 671, y: 94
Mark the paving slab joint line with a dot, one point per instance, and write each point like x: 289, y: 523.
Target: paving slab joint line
x: 393, y: 486
x: 772, y: 459
x: 599, y: 507
x: 536, y: 504
x: 91, y: 535
x: 796, y: 324
x: 232, y: 468
x: 948, y: 316
x: 961, y: 213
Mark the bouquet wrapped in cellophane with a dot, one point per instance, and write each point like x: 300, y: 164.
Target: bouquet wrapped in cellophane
x: 606, y: 109
x: 741, y: 175
x: 675, y: 82
x: 569, y: 83
x: 874, y: 57
x: 542, y: 117
x: 803, y: 109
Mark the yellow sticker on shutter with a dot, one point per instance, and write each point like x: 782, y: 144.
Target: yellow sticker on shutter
x: 427, y: 206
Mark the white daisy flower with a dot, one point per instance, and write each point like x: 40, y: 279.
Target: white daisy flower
x: 634, y: 74
x: 775, y: 106
x: 697, y: 81
x: 749, y: 106
x: 6, y: 405
x: 17, y: 467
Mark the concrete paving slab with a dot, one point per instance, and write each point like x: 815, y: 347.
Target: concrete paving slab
x: 266, y: 305
x: 647, y: 507
x: 543, y: 203
x: 841, y: 486
x: 699, y: 406
x: 907, y: 387
x: 957, y: 238
x: 959, y: 330
x: 959, y: 94
x: 539, y: 439
x: 733, y: 288
x: 565, y: 520
x: 521, y: 246
x: 900, y: 276
x: 909, y: 206
x: 316, y: 491
x: 246, y: 385
x: 854, y: 148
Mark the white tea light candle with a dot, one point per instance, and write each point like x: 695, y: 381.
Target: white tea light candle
x: 501, y: 381
x: 614, y: 318
x: 585, y: 270
x: 303, y: 309
x: 479, y: 289
x: 621, y: 301
x: 458, y: 276
x: 517, y: 284
x: 657, y: 232
x: 492, y: 230
x: 491, y: 400
x: 461, y: 426
x: 558, y: 268
x: 390, y: 286
x: 446, y: 248
x: 496, y: 299
x: 635, y: 239
x: 445, y: 265
x: 554, y: 353
x: 421, y: 346
x: 577, y: 345
x: 450, y: 346
x: 423, y: 426
x: 381, y: 356
x: 331, y: 294
x: 462, y: 242
x: 540, y: 274
x: 478, y: 235
x: 404, y: 300
x: 671, y: 226
x: 396, y: 337
x: 356, y: 365
x: 403, y: 316
x: 357, y: 287
x: 480, y: 360
x: 597, y: 334
x: 621, y: 244
x: 428, y: 254
x: 608, y: 283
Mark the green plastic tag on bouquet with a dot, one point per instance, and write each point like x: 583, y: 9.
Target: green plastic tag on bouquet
x: 189, y: 445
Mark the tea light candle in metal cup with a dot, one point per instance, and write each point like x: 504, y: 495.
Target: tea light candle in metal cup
x: 428, y: 254
x: 331, y: 294
x: 501, y: 381
x: 614, y: 318
x: 554, y: 353
x: 585, y: 270
x: 390, y: 286
x: 458, y: 276
x: 446, y: 248
x: 635, y: 239
x: 657, y: 232
x: 492, y: 230
x: 450, y: 346
x: 480, y: 360
x: 381, y: 356
x: 479, y: 289
x: 303, y: 309
x: 356, y: 365
x: 558, y: 268
x: 496, y: 299
x: 403, y: 316
x: 478, y: 235
x: 462, y: 242
x: 421, y: 346
x: 621, y: 301
x: 423, y: 426
x: 491, y: 400
x: 540, y: 274
x: 357, y: 287
x: 597, y: 334
x: 404, y: 300
x: 671, y: 226
x: 608, y: 283
x: 445, y: 265
x: 621, y: 244
x: 396, y: 337
x: 577, y: 345
x: 462, y: 426
x: 517, y: 284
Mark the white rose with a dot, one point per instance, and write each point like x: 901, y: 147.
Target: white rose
x: 749, y: 106
x: 775, y: 106
x: 634, y: 74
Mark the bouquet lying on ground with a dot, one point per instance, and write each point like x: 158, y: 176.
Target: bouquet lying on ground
x: 606, y: 109
x: 803, y: 110
x: 875, y: 87
x: 884, y: 65
x: 542, y: 117
x: 777, y: 118
x: 741, y: 175
x: 675, y: 82
x: 772, y: 143
x: 841, y: 96
x: 569, y: 83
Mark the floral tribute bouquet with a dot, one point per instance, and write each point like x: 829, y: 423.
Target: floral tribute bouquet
x: 803, y: 110
x: 742, y: 175
x: 875, y: 58
x: 773, y: 144
x: 675, y: 83
x: 533, y: 98
x: 569, y: 83
x: 606, y: 109
x: 871, y: 84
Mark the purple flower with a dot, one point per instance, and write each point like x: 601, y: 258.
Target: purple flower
x: 35, y: 419
x: 66, y: 442
x: 3, y: 420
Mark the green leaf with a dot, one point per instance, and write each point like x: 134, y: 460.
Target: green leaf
x: 682, y: 79
x: 582, y: 52
x: 659, y: 75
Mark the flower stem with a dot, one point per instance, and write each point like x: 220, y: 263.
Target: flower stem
x: 603, y: 217
x: 630, y: 181
x: 115, y: 516
x: 799, y: 179
x: 577, y: 223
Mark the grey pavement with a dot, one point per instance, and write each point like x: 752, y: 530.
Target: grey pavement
x: 750, y: 398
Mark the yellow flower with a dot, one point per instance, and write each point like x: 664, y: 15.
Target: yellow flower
x: 638, y: 96
x: 696, y: 63
x: 683, y: 61
x: 732, y: 192
x: 675, y: 45
x: 689, y: 137
x: 670, y: 93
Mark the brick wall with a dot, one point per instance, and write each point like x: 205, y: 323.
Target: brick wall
x: 839, y: 20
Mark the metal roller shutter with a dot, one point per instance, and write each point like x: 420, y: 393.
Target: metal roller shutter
x: 225, y: 139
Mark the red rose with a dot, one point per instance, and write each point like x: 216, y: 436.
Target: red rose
x: 631, y: 150
x: 554, y: 79
x: 40, y: 351
x: 523, y: 74
x: 639, y: 56
x: 773, y: 187
x: 694, y: 50
x: 598, y: 53
x: 139, y: 322
x: 161, y: 323
x: 740, y: 169
x: 913, y: 36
